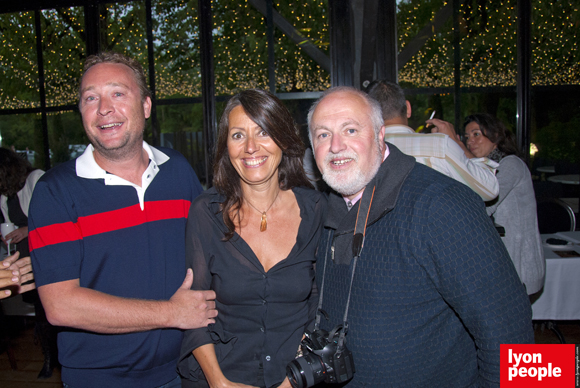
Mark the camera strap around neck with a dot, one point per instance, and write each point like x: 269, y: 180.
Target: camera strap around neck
x: 364, y: 209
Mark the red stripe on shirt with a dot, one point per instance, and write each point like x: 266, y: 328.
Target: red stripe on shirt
x: 107, y: 222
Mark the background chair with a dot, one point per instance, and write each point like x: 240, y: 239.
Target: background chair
x: 554, y: 216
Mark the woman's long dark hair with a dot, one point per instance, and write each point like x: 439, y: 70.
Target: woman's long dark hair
x: 268, y: 112
x: 13, y: 172
x: 492, y: 128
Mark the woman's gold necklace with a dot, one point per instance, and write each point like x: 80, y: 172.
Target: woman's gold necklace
x: 264, y: 221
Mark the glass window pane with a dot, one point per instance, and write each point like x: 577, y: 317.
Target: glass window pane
x: 23, y: 134
x: 296, y: 71
x: 488, y: 44
x: 124, y: 30
x: 555, y: 99
x: 555, y: 43
x: 66, y: 136
x: 240, y: 47
x: 432, y: 64
x: 176, y: 41
x: 488, y: 59
x: 18, y: 65
x: 182, y: 129
x: 63, y: 53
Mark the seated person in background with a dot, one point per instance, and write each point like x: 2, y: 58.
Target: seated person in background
x: 515, y: 206
x: 252, y: 239
x: 445, y: 154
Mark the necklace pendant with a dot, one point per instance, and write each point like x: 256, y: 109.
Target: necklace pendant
x: 263, y: 223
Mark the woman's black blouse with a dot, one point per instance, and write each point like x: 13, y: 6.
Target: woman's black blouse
x: 261, y: 315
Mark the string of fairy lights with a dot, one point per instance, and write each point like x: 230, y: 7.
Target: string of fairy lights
x: 488, y: 47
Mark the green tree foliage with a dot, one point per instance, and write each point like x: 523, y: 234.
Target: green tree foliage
x: 18, y: 63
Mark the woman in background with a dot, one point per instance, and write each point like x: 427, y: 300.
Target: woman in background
x: 17, y: 181
x: 252, y: 239
x: 515, y: 206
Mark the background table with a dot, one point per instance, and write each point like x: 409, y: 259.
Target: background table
x: 548, y: 169
x: 570, y: 179
x: 560, y: 299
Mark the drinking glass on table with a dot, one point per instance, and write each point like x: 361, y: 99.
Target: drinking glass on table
x: 5, y: 229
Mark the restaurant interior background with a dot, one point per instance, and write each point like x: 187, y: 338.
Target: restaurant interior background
x: 516, y: 59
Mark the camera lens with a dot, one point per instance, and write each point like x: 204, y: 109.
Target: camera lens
x: 305, y: 371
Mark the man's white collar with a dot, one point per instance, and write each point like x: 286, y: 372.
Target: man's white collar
x: 87, y: 167
x: 398, y: 128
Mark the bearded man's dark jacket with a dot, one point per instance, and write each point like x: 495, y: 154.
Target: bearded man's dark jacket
x: 435, y: 292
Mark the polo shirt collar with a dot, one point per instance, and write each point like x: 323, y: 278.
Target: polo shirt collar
x: 87, y: 167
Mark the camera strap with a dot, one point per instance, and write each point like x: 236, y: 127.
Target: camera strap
x: 358, y: 240
x: 363, y: 212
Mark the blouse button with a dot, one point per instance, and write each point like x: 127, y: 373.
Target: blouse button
x: 267, y: 358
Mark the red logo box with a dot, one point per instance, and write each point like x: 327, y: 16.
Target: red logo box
x: 530, y: 366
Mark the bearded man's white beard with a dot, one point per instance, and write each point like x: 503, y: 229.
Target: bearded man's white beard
x: 354, y: 180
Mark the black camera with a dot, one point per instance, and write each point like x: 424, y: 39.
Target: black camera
x: 322, y: 360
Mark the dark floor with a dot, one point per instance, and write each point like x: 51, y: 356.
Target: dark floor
x: 29, y: 359
x: 29, y: 355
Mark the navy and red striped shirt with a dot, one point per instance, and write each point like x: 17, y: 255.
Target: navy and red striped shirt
x: 122, y: 240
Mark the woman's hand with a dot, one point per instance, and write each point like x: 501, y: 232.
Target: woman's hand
x: 285, y: 384
x: 16, y: 235
x: 13, y: 273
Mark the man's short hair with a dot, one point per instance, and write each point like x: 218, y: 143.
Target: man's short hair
x: 376, y: 115
x: 391, y: 97
x: 113, y: 57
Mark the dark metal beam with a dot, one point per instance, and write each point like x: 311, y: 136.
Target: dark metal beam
x: 41, y: 90
x: 341, y: 43
x: 369, y: 42
x: 426, y: 32
x: 271, y: 52
x: 387, y: 46
x: 457, y: 66
x: 524, y: 77
x: 288, y: 29
x: 207, y: 84
x: 155, y: 130
x: 92, y: 29
x: 36, y: 5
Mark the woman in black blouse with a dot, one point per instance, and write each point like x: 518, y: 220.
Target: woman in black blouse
x: 252, y: 239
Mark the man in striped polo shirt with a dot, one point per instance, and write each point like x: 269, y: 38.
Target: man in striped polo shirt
x: 107, y: 239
